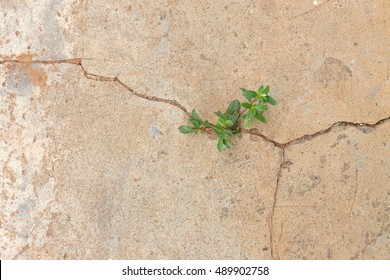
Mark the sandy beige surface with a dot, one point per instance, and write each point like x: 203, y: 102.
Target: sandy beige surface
x: 92, y: 165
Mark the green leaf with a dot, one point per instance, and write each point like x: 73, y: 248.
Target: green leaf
x: 233, y: 118
x: 261, y: 88
x: 219, y: 114
x: 270, y: 100
x: 206, y: 123
x: 186, y: 129
x: 249, y: 94
x: 195, y: 123
x: 260, y: 117
x: 249, y: 119
x: 266, y: 90
x: 228, y: 143
x: 222, y: 133
x: 261, y: 107
x: 234, y: 107
x: 246, y: 105
x: 220, y: 145
x: 253, y: 110
x: 229, y: 123
x: 195, y: 116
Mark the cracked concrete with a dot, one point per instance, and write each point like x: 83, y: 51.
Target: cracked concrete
x: 92, y: 163
x: 345, y: 215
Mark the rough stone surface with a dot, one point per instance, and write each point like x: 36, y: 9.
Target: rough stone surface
x: 339, y: 186
x: 89, y: 170
x: 95, y: 173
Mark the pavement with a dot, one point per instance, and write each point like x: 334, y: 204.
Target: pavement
x: 92, y: 165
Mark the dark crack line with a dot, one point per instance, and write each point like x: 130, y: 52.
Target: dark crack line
x: 355, y: 192
x: 253, y: 131
x: 91, y: 76
x: 272, y: 213
x: 172, y: 102
x: 308, y: 137
x: 24, y: 249
x: 299, y: 140
x: 309, y: 11
x: 38, y: 222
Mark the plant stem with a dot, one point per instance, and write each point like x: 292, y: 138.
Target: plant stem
x: 239, y: 115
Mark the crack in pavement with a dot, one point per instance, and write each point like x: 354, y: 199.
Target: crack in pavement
x: 309, y: 11
x: 91, y: 76
x: 308, y: 137
x: 270, y: 218
x: 253, y: 131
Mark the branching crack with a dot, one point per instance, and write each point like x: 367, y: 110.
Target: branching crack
x: 270, y: 218
x: 308, y: 137
x: 253, y: 131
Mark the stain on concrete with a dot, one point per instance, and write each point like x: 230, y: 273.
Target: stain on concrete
x: 374, y: 91
x: 155, y: 132
x: 25, y: 74
x: 333, y: 70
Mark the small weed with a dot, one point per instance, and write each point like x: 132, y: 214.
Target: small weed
x: 226, y: 125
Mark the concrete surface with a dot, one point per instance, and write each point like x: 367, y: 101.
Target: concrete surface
x: 92, y: 165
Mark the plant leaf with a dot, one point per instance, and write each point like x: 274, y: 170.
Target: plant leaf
x: 260, y: 117
x: 186, y: 129
x: 206, y: 123
x: 233, y: 118
x: 228, y: 143
x: 261, y: 88
x: 270, y: 100
x: 266, y: 90
x: 222, y: 133
x: 220, y: 145
x: 253, y: 110
x: 229, y: 123
x: 249, y: 119
x: 234, y: 107
x: 246, y: 105
x: 219, y: 114
x: 195, y: 123
x: 195, y: 116
x: 249, y: 94
x: 261, y: 107
x: 229, y: 133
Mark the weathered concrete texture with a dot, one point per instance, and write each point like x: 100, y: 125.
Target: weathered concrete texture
x: 36, y: 27
x: 90, y: 170
x: 98, y: 175
x: 26, y: 184
x: 327, y: 65
x: 338, y: 188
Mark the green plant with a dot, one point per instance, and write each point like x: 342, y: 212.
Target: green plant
x: 226, y: 125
